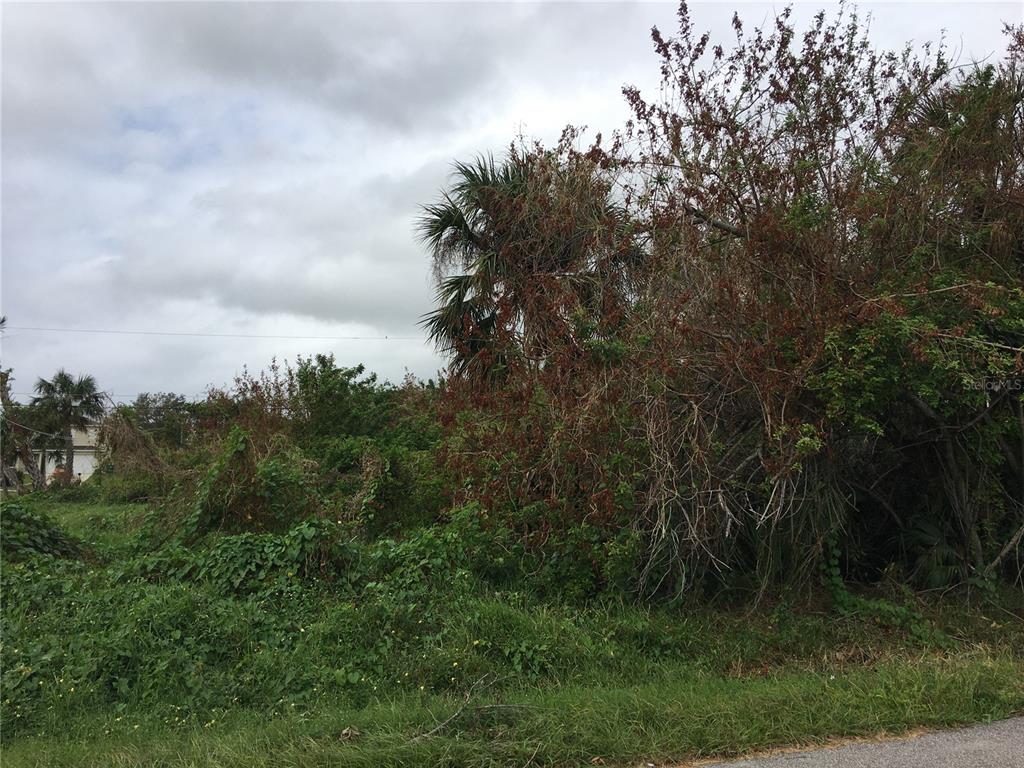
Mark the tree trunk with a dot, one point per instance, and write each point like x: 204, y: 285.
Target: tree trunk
x: 69, y: 456
x: 20, y: 438
x: 12, y: 480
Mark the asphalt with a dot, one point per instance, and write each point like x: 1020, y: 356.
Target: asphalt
x: 995, y: 745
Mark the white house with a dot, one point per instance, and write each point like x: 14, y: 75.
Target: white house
x: 85, y: 441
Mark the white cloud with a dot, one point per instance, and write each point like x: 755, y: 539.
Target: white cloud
x: 257, y: 168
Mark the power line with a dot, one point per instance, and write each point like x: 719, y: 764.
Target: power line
x: 214, y: 335
x: 114, y: 396
x: 16, y: 424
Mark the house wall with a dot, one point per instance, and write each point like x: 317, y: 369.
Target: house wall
x: 85, y: 455
x: 85, y: 463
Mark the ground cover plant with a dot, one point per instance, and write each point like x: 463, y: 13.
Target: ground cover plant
x: 415, y: 651
x: 730, y: 454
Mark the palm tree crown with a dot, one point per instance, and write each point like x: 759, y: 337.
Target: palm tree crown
x: 462, y: 234
x: 506, y: 239
x: 71, y: 403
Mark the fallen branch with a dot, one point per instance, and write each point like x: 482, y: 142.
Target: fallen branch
x: 482, y: 682
x: 1010, y: 545
x: 479, y: 685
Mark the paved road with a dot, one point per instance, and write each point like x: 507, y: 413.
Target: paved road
x: 998, y: 745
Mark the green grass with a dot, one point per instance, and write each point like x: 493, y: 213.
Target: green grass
x: 104, y: 526
x: 102, y: 667
x: 671, y: 718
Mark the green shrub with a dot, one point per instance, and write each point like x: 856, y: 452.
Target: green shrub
x: 129, y: 489
x: 340, y: 401
x: 79, y: 492
x: 399, y: 489
x: 26, y: 533
x: 243, y: 491
x: 249, y: 562
x: 109, y: 487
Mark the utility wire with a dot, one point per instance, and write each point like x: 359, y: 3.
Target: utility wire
x: 214, y: 335
x: 118, y: 397
x: 16, y: 424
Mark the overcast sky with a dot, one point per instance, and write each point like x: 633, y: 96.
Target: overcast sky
x: 255, y: 168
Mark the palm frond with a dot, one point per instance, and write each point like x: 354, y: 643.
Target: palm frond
x: 71, y: 401
x: 457, y: 310
x: 448, y: 233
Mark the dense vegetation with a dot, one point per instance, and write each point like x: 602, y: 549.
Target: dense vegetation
x: 442, y: 647
x: 778, y: 317
x: 733, y: 424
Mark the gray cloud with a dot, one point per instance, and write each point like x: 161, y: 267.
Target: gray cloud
x: 258, y: 168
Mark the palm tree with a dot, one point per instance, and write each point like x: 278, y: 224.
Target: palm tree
x: 461, y: 233
x: 501, y: 237
x: 71, y: 403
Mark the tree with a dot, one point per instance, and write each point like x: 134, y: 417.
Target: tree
x: 333, y: 401
x: 511, y: 240
x: 72, y: 403
x: 165, y: 416
x: 460, y: 232
x: 16, y: 436
x: 814, y: 344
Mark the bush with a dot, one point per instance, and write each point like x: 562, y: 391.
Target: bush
x: 128, y: 489
x: 79, y: 492
x: 26, y: 533
x: 753, y: 346
x: 399, y: 489
x: 244, y: 491
x: 250, y: 562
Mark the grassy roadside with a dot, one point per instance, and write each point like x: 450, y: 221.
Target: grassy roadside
x: 672, y: 718
x: 266, y: 679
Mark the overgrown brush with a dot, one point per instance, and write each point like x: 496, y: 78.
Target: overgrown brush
x: 782, y: 307
x: 284, y: 446
x: 316, y: 617
x: 776, y: 318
